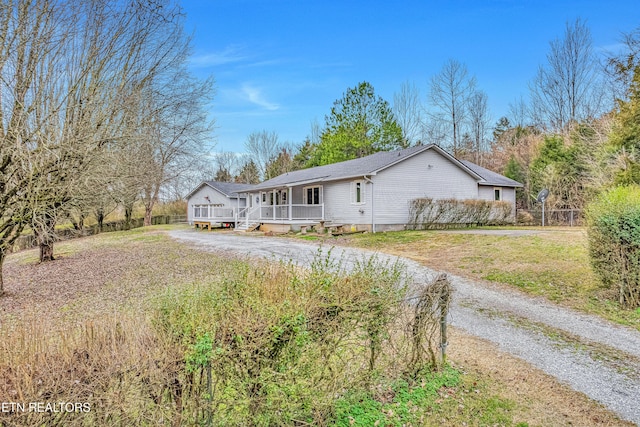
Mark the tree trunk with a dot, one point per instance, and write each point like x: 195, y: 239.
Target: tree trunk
x: 45, y: 236
x: 128, y: 212
x: 147, y: 214
x: 46, y: 251
x: 100, y: 218
x: 45, y: 239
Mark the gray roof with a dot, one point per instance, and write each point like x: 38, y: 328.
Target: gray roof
x: 353, y: 168
x: 229, y: 189
x: 490, y: 177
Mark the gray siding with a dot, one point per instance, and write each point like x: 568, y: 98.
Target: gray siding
x: 338, y: 207
x: 486, y: 192
x: 428, y: 175
x: 215, y: 197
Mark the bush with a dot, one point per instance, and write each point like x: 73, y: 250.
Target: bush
x: 253, y: 344
x: 427, y: 213
x: 614, y: 242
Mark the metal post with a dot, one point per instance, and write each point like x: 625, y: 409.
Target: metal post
x: 543, y: 213
x: 443, y: 336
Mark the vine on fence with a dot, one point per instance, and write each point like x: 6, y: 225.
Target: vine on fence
x: 427, y: 328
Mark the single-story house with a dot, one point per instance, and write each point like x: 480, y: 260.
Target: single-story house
x: 371, y: 193
x: 216, y: 204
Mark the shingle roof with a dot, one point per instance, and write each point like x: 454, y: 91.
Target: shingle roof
x: 229, y: 189
x: 349, y: 169
x: 490, y: 177
x: 357, y: 168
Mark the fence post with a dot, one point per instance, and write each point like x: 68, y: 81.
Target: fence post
x: 443, y: 333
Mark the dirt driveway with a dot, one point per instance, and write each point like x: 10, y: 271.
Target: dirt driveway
x: 592, y: 356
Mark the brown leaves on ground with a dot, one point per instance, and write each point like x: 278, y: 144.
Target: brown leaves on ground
x: 98, y: 280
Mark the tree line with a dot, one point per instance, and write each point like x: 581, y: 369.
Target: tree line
x: 574, y: 134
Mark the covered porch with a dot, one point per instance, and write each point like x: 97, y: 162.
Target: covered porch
x: 208, y: 216
x: 291, y: 206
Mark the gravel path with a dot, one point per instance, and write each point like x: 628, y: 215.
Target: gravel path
x: 593, y: 356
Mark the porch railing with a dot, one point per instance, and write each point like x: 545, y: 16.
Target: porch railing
x: 257, y: 213
x: 292, y: 212
x: 216, y: 213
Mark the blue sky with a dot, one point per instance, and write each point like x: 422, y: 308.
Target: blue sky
x: 279, y: 65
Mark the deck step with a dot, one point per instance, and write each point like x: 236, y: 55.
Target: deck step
x: 243, y: 226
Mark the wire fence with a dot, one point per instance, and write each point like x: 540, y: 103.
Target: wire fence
x: 29, y: 241
x: 565, y: 217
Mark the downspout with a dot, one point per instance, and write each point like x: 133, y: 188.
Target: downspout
x: 373, y: 217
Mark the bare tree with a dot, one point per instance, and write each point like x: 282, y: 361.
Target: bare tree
x: 176, y: 134
x: 263, y: 147
x: 66, y: 72
x: 569, y: 87
x: 226, y: 165
x: 449, y: 93
x: 408, y: 111
x: 479, y: 123
x: 519, y: 113
x: 623, y: 67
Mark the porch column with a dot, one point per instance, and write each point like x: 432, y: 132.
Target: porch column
x: 289, y: 199
x: 273, y: 206
x: 248, y: 209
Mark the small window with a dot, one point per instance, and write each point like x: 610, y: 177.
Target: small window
x: 357, y: 192
x: 196, y: 211
x: 497, y: 194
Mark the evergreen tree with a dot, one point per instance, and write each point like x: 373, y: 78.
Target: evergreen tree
x: 360, y: 124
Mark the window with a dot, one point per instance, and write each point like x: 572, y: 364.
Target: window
x: 357, y: 192
x: 312, y: 195
x: 200, y: 211
x: 497, y: 194
x: 264, y: 197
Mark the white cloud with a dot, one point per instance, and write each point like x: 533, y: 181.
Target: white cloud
x: 229, y: 55
x: 255, y: 96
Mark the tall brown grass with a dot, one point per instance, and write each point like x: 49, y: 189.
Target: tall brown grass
x: 258, y: 344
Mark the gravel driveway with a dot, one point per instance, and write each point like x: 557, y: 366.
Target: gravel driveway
x: 593, y: 356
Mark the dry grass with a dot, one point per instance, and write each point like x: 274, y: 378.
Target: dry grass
x: 80, y: 324
x: 540, y: 399
x: 551, y: 262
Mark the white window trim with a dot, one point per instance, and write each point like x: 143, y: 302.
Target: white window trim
x: 354, y: 185
x: 499, y: 189
x: 305, y: 198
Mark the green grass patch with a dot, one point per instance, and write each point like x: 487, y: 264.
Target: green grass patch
x: 448, y: 397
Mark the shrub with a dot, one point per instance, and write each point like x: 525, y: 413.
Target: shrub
x: 614, y: 242
x: 427, y: 213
